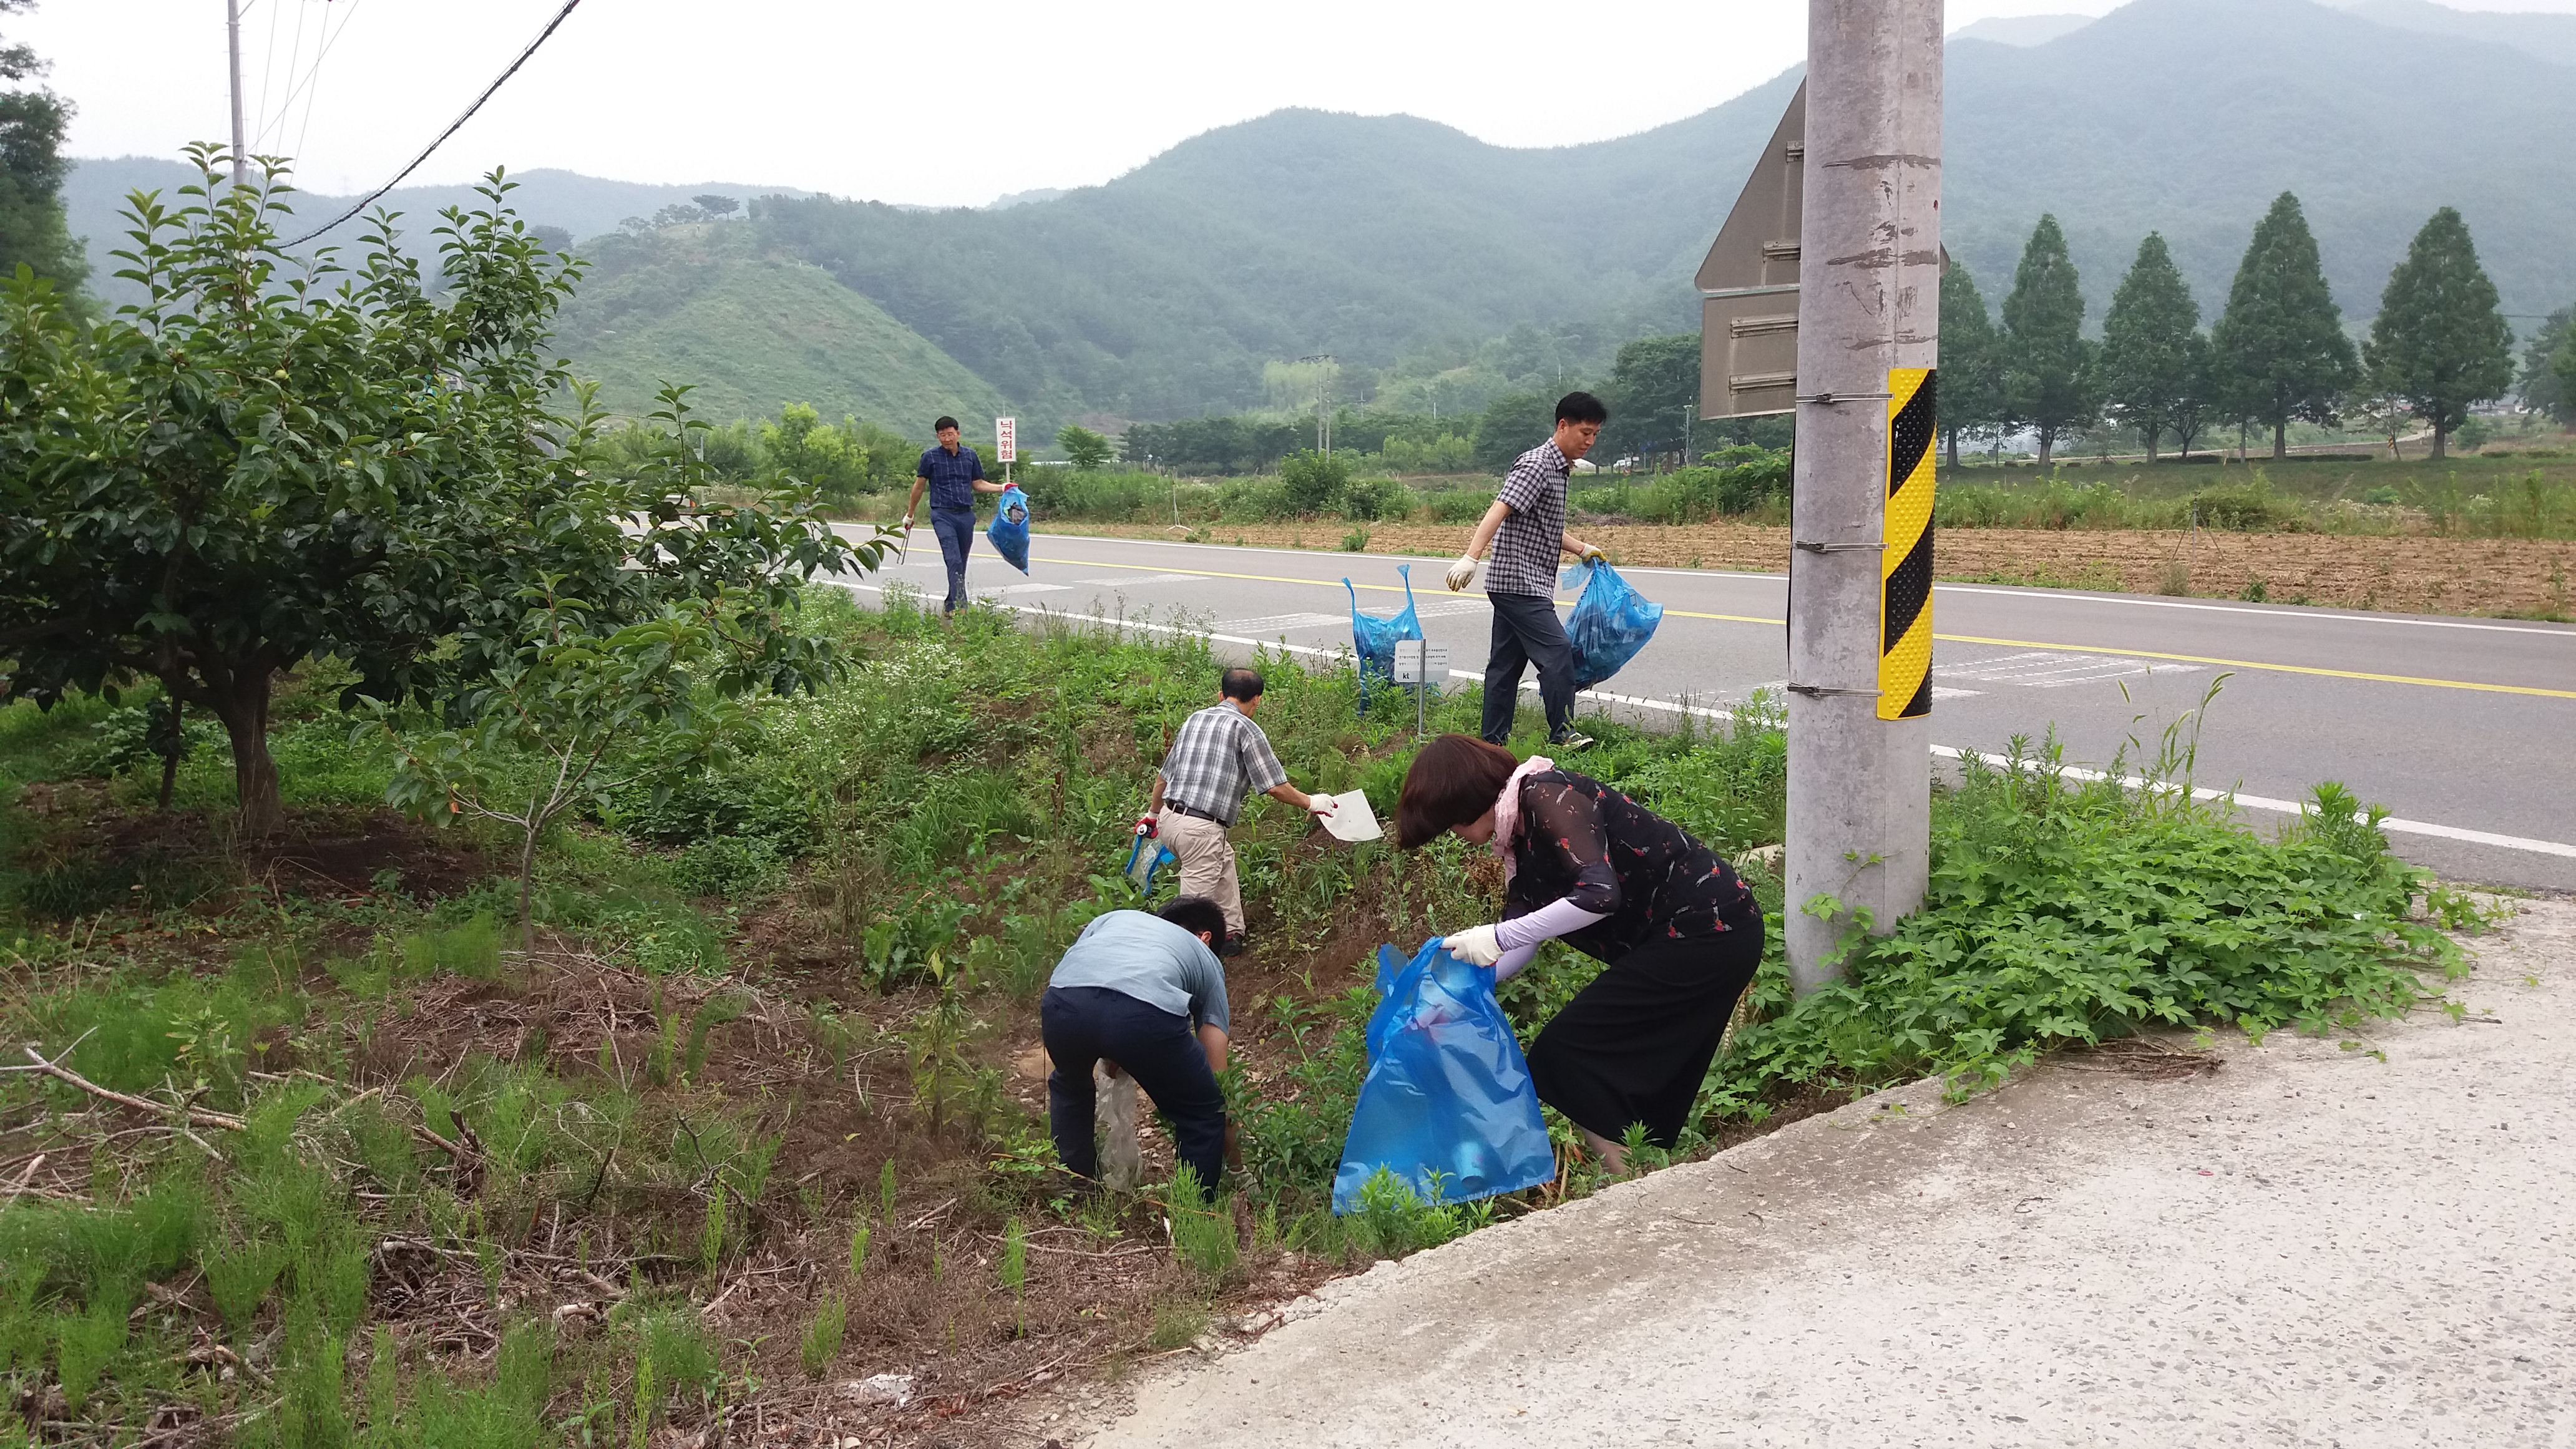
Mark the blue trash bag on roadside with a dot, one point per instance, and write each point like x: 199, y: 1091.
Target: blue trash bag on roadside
x: 1610, y: 623
x: 1010, y: 530
x: 1374, y: 639
x: 1447, y: 1105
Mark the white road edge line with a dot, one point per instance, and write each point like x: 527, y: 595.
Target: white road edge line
x: 2249, y: 802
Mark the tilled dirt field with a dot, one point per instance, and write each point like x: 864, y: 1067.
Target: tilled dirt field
x: 2515, y: 577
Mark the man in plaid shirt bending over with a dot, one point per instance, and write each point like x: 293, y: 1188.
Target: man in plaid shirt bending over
x: 1526, y: 526
x: 1218, y: 758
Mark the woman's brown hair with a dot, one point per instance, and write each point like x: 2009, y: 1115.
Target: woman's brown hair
x: 1453, y: 782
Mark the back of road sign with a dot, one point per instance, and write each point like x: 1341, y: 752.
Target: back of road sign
x: 1749, y: 285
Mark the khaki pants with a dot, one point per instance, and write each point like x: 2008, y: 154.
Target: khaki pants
x: 1206, y: 860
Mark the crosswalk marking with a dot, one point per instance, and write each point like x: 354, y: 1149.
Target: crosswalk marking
x: 2047, y: 669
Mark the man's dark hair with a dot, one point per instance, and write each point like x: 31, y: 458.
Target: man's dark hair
x: 943, y: 423
x: 1243, y: 684
x: 1197, y: 915
x: 1581, y: 407
x: 1453, y: 782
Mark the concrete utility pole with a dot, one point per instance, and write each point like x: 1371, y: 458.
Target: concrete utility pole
x: 232, y: 30
x: 1860, y: 611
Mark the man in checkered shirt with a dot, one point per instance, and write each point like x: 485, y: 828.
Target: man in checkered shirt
x: 1218, y: 758
x: 1526, y: 527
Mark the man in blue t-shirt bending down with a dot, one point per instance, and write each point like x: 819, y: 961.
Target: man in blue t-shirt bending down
x: 1147, y: 993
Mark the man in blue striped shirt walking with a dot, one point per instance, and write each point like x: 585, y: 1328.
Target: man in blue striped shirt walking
x: 954, y: 475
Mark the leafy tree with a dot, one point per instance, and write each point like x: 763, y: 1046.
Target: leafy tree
x: 714, y: 204
x: 2279, y: 348
x: 2538, y: 385
x: 542, y: 725
x: 2046, y: 361
x: 1971, y: 377
x: 1653, y: 381
x: 32, y: 169
x: 2440, y: 341
x: 250, y: 469
x: 1088, y: 450
x: 1512, y: 425
x: 2149, y: 372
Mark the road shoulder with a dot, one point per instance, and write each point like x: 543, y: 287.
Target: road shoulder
x: 2317, y: 1242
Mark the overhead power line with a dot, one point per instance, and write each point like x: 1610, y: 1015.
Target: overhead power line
x: 453, y: 126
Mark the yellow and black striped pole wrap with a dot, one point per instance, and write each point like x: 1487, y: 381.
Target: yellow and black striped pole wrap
x: 1905, y: 569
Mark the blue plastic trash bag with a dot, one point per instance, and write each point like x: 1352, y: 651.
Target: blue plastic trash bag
x: 1374, y: 639
x: 1610, y: 623
x: 1010, y: 530
x: 1447, y: 1105
x: 1145, y: 857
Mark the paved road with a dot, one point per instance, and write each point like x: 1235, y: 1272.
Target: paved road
x: 2311, y: 1246
x: 2462, y: 728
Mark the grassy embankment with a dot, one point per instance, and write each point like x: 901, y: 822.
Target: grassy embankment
x: 755, y: 1118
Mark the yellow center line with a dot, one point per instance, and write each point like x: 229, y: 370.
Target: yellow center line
x: 1945, y: 638
x: 2277, y: 668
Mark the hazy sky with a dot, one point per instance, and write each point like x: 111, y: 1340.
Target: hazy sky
x: 952, y: 103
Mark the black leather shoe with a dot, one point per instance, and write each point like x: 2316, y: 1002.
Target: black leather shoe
x: 1233, y: 945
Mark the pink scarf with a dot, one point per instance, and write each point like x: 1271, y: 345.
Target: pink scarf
x: 1507, y: 811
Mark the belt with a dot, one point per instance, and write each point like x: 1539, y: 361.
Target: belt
x: 1177, y: 808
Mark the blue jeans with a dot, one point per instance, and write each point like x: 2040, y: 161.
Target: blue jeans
x: 956, y: 530
x: 1081, y: 1025
x: 1527, y: 631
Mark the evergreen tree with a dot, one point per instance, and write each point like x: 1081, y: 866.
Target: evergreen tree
x: 2280, y: 345
x: 32, y: 169
x: 2440, y: 341
x: 2046, y: 361
x: 2566, y: 366
x: 2196, y: 404
x: 2538, y: 386
x: 1971, y: 389
x: 2151, y: 372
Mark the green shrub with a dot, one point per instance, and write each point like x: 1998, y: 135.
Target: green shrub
x: 2061, y: 914
x: 1463, y: 505
x: 1366, y: 500
x: 1312, y: 483
x: 728, y: 866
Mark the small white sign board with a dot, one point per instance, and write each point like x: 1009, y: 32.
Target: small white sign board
x: 1006, y: 439
x: 1352, y: 819
x: 1419, y: 661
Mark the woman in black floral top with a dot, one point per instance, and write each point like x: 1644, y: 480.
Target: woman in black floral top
x: 1617, y: 882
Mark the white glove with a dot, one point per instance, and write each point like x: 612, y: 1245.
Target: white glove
x: 1321, y: 805
x: 906, y: 525
x: 1477, y: 947
x: 1462, y: 573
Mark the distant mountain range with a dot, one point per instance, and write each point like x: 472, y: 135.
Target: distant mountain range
x: 1162, y: 293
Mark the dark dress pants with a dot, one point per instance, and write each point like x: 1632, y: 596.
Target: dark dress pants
x: 1081, y: 1025
x: 1635, y: 1045
x: 1527, y: 631
x: 956, y: 530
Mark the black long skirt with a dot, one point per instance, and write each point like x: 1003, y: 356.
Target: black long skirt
x: 1635, y: 1045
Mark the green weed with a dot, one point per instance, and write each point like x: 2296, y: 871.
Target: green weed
x: 822, y: 1341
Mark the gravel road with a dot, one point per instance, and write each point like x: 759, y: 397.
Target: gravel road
x: 2360, y: 1241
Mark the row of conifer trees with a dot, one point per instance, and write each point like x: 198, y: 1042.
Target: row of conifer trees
x: 2278, y: 354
